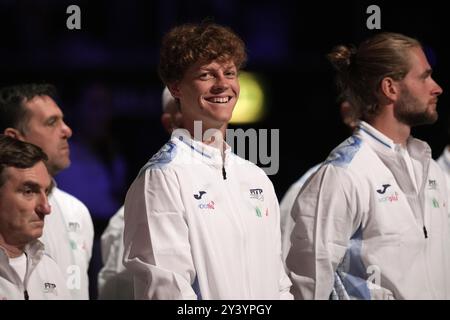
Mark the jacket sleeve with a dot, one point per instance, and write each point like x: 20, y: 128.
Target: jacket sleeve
x: 89, y: 231
x: 325, y: 219
x: 286, y: 222
x: 112, y: 243
x: 114, y: 282
x: 156, y: 238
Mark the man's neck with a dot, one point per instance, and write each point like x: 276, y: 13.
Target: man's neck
x: 388, y: 125
x: 211, y: 136
x: 11, y: 250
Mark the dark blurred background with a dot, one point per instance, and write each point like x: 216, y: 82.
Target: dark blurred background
x: 110, y: 92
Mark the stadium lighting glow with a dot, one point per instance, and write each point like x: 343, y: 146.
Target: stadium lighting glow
x: 250, y: 107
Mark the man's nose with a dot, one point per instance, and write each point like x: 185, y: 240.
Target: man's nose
x: 221, y: 83
x: 43, y: 206
x: 66, y: 130
x: 437, y: 90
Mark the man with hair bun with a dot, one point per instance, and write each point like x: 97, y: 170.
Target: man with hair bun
x: 201, y: 223
x: 372, y: 222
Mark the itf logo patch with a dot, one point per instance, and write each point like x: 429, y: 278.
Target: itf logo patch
x: 432, y: 184
x: 74, y: 226
x: 50, y: 287
x: 257, y: 194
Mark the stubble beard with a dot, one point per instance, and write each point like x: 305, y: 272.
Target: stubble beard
x: 410, y: 111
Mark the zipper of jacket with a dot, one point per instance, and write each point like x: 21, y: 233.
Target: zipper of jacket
x: 25, y: 281
x: 224, y: 176
x: 224, y: 173
x: 423, y: 209
x: 420, y: 192
x: 422, y: 198
x: 242, y: 225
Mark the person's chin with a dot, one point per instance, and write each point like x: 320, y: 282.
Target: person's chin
x: 222, y: 120
x: 65, y: 153
x: 434, y: 117
x: 65, y: 163
x: 432, y: 112
x: 224, y: 114
x: 37, y: 229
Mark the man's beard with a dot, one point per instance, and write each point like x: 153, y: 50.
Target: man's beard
x: 410, y: 111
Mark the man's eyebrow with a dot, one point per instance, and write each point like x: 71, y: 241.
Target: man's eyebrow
x: 32, y: 185
x: 226, y: 67
x: 206, y: 69
x: 35, y: 187
x: 54, y: 117
x: 426, y: 73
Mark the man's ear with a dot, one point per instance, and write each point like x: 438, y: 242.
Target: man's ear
x: 174, y: 89
x: 390, y: 88
x: 14, y: 133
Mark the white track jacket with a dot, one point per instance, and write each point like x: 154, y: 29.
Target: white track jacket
x: 286, y: 221
x: 114, y: 281
x: 68, y: 237
x: 361, y: 216
x: 198, y: 227
x: 43, y: 279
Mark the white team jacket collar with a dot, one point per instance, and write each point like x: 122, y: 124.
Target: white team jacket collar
x: 375, y: 137
x: 390, y: 153
x: 205, y: 153
x: 34, y: 252
x: 417, y: 149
